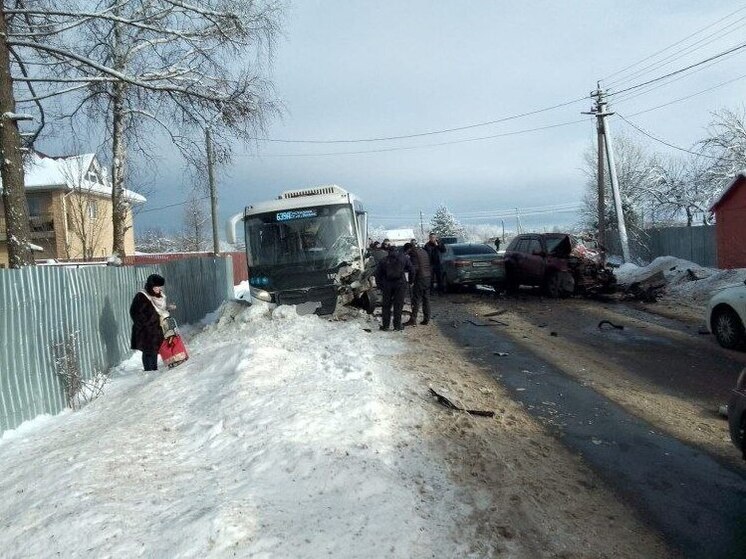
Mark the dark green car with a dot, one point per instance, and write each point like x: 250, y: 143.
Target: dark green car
x: 472, y: 264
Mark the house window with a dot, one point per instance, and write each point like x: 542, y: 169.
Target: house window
x: 92, y: 209
x: 92, y: 176
x: 34, y: 205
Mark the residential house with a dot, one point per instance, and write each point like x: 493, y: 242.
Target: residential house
x: 69, y: 202
x: 730, y: 223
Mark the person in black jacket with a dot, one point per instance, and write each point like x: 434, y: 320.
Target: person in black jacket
x: 421, y: 284
x: 434, y: 248
x: 391, y: 278
x: 146, y: 314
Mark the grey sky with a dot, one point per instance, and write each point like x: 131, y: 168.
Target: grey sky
x: 355, y: 69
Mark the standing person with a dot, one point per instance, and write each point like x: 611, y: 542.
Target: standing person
x: 434, y: 248
x: 379, y: 253
x: 421, y: 284
x: 391, y: 278
x: 148, y: 309
x: 497, y: 244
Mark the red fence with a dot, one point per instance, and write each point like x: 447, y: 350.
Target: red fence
x: 240, y: 266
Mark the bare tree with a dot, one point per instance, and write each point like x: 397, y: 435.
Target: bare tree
x: 634, y: 166
x: 726, y: 143
x: 682, y: 187
x: 194, y: 237
x: 163, y: 63
x: 156, y: 240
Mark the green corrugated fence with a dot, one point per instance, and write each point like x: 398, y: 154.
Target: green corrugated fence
x: 41, y: 307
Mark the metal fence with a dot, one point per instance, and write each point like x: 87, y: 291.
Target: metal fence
x: 46, y: 310
x: 696, y: 244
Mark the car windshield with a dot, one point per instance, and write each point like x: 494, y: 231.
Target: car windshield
x: 554, y: 242
x: 319, y: 237
x: 460, y: 250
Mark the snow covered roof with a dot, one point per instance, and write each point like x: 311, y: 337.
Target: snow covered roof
x: 731, y: 185
x: 43, y: 172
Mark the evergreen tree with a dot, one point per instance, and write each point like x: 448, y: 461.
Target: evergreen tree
x: 444, y: 224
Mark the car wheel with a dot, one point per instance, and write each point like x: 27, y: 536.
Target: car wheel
x: 511, y: 281
x: 728, y: 328
x: 552, y: 286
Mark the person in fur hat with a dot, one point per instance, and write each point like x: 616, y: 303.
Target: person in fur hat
x: 148, y: 309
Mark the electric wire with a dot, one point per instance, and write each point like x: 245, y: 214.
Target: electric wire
x: 733, y: 49
x: 428, y: 133
x: 679, y: 54
x: 421, y: 146
x: 677, y: 43
x: 674, y: 146
x: 680, y: 99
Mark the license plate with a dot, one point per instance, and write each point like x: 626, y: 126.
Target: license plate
x: 481, y: 264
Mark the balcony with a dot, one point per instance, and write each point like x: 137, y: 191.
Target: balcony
x: 42, y: 227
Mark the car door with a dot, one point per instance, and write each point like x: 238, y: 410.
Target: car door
x: 514, y: 257
x: 534, y: 262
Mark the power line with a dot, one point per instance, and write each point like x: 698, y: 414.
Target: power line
x: 688, y: 96
x: 405, y: 148
x: 665, y: 143
x: 185, y: 202
x: 428, y: 133
x: 677, y: 43
x: 680, y: 53
x: 633, y: 95
x: 736, y: 48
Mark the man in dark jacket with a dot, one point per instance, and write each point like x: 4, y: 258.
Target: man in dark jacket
x: 391, y: 278
x: 378, y: 252
x: 434, y: 248
x: 421, y: 284
x: 147, y: 334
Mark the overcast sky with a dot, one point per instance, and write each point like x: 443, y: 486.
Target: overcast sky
x: 361, y: 69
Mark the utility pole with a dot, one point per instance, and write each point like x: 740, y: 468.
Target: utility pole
x: 604, y: 141
x: 17, y: 224
x: 422, y: 226
x: 213, y: 193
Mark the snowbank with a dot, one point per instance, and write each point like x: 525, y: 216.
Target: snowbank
x: 686, y: 281
x: 282, y: 436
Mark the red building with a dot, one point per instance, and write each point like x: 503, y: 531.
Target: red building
x: 730, y: 226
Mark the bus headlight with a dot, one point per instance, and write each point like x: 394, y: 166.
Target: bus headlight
x: 260, y: 294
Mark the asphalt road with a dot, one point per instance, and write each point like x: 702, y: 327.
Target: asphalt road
x: 696, y: 501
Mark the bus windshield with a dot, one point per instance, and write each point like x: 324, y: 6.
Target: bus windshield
x: 321, y: 237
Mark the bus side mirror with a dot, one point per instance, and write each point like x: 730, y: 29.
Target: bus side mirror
x: 230, y: 228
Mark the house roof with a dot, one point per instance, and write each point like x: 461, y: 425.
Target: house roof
x: 42, y: 172
x: 729, y: 189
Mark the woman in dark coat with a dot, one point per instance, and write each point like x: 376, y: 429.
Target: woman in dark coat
x: 147, y: 334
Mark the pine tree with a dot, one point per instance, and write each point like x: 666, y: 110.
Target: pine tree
x: 444, y: 224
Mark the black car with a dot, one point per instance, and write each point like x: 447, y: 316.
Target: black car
x: 737, y: 414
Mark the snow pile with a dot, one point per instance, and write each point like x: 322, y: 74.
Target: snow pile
x: 282, y: 436
x: 685, y: 281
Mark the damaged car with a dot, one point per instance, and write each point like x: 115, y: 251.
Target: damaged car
x: 559, y: 263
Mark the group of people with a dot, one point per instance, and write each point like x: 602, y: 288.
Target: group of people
x: 412, y: 268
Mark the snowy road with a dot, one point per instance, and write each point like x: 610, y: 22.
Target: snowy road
x: 283, y: 436
x: 288, y: 436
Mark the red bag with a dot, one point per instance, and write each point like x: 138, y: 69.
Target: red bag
x: 173, y: 351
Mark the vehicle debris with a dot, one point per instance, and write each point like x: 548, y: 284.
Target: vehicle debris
x: 609, y: 323
x: 646, y: 290
x: 495, y: 313
x: 445, y: 402
x: 500, y: 353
